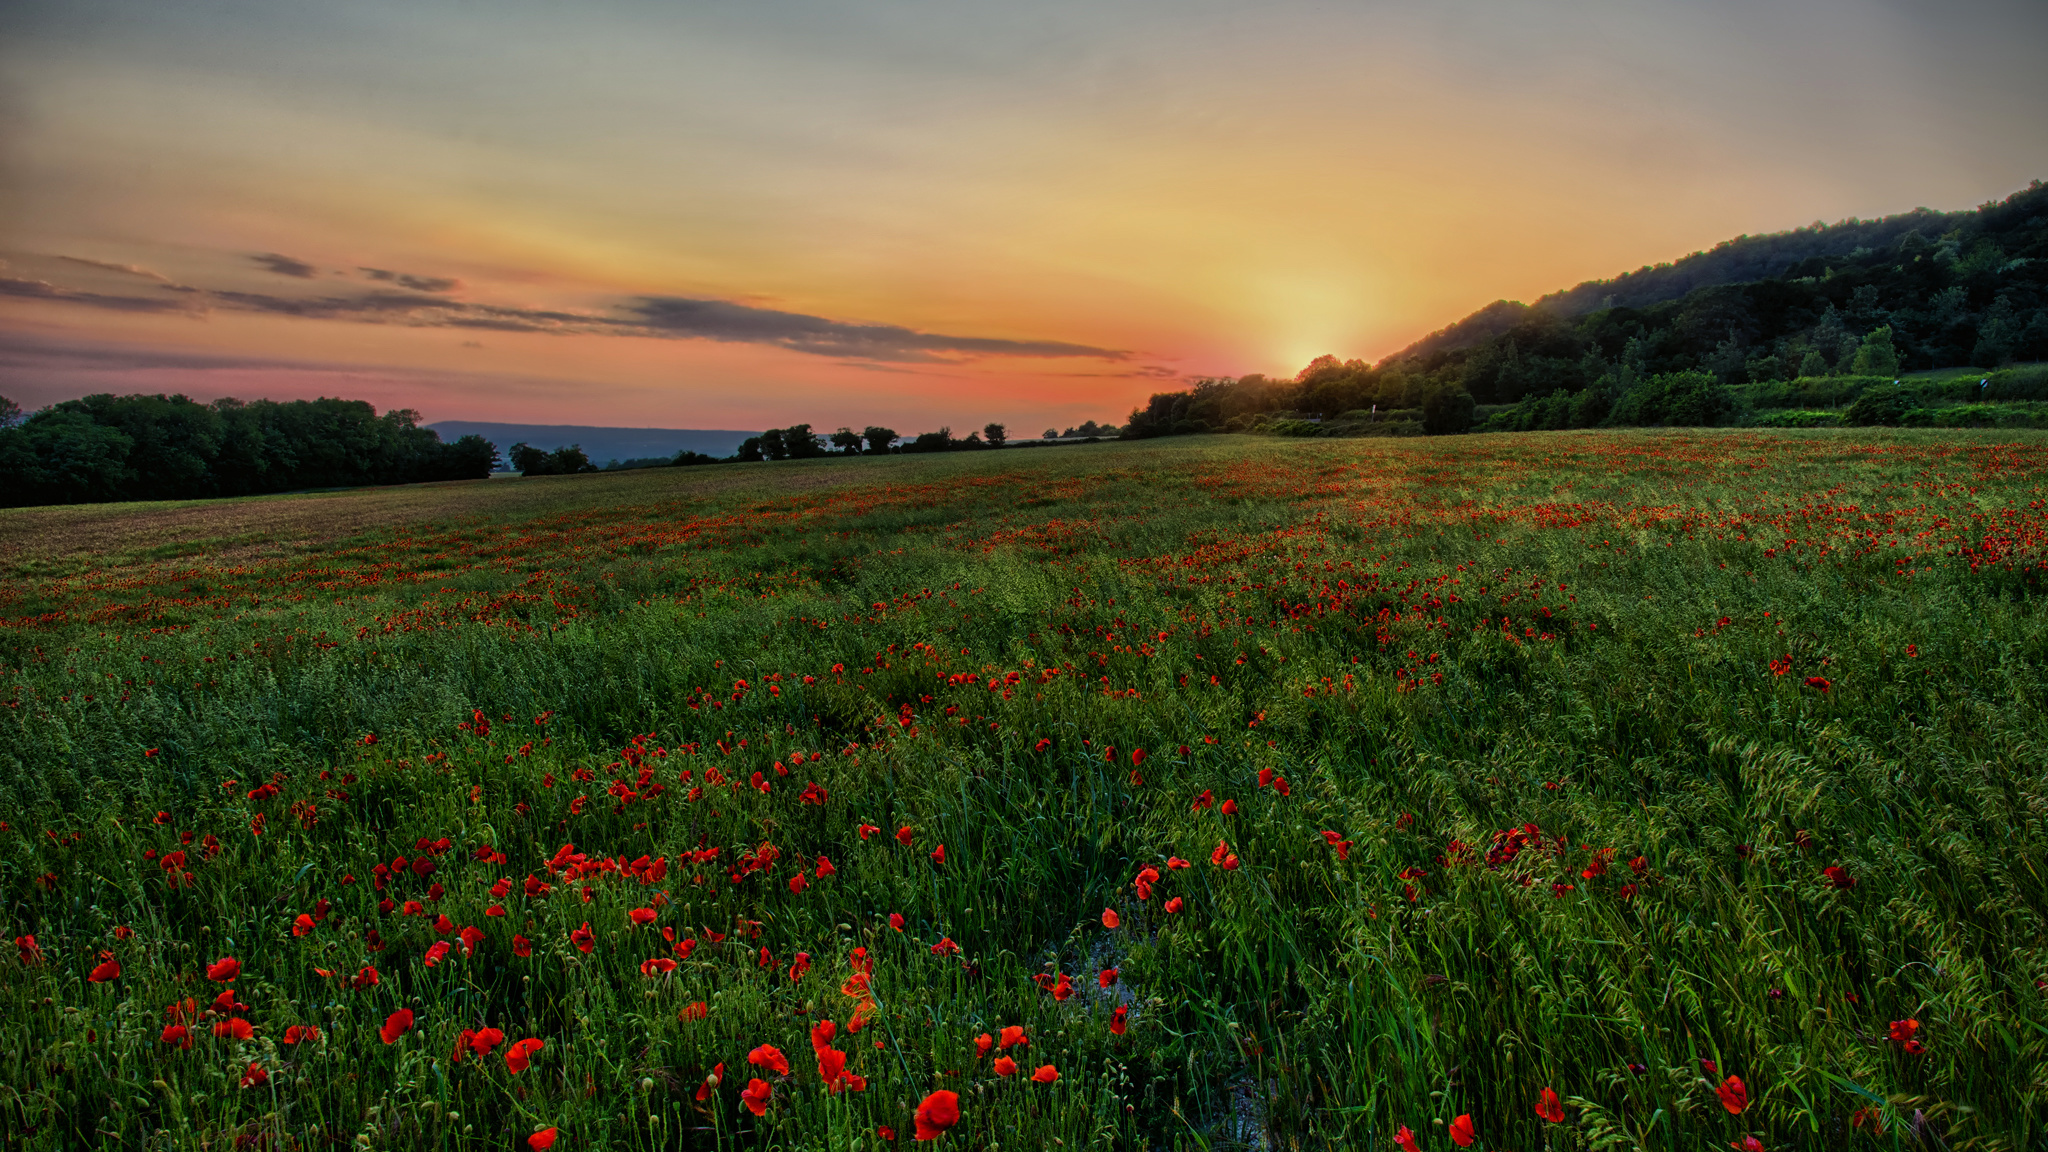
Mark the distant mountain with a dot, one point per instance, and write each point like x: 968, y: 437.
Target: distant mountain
x: 600, y: 444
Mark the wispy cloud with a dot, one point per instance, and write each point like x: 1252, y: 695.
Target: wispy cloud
x: 130, y: 269
x: 655, y: 317
x: 286, y: 266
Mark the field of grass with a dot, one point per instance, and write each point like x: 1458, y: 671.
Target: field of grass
x: 1563, y: 790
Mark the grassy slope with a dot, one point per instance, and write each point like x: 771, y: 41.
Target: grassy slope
x: 1602, y: 609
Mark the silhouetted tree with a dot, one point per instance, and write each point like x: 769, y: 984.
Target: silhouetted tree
x: 995, y: 433
x: 879, y: 438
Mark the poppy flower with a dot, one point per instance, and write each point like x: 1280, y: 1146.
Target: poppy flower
x: 1902, y: 1034
x: 299, y: 1032
x: 485, y: 1040
x: 470, y: 936
x: 1041, y: 746
x: 896, y: 921
x: 1229, y: 808
x: 1109, y: 918
x: 582, y: 938
x: 1012, y: 1036
x: 938, y: 1112
x: 867, y: 830
x: 885, y: 1132
x: 1116, y: 1021
x: 435, y: 953
x: 755, y: 1096
x: 655, y: 964
x: 1461, y: 1132
x: 1405, y: 1140
x: 302, y: 925
x: 395, y: 1025
x: 1549, y: 1107
x: 982, y: 1044
x: 542, y: 1140
x: 904, y: 835
x: 107, y: 970
x: 1046, y: 1074
x: 367, y: 978
x: 254, y: 1075
x: 224, y: 969
x: 1005, y: 1066
x: 1836, y: 876
x: 236, y: 1028
x: 1062, y: 988
x: 769, y: 1056
x: 1106, y: 977
x: 640, y: 916
x: 939, y: 854
x: 177, y: 1034
x: 519, y: 1056
x: 1206, y: 800
x: 521, y: 946
x: 696, y: 1010
x: 443, y: 925
x: 1177, y: 862
x: 1174, y: 905
x: 825, y: 868
x: 1734, y: 1095
x: 1747, y: 1144
x: 1818, y: 682
x: 226, y: 1004
x: 1222, y: 850
x: 945, y: 947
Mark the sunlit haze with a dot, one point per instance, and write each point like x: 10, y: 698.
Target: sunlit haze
x: 916, y: 213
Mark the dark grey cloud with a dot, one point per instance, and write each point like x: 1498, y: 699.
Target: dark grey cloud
x: 727, y: 322
x: 44, y: 290
x: 286, y: 266
x: 416, y: 283
x: 661, y: 317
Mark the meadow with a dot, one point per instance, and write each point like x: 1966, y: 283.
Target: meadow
x: 1662, y: 790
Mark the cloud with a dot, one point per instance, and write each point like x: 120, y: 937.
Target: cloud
x: 44, y: 290
x: 130, y: 269
x: 286, y: 266
x: 417, y: 283
x: 727, y: 322
x: 661, y: 317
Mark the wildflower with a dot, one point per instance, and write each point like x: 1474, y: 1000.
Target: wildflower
x: 640, y: 916
x: 542, y: 1140
x: 1734, y: 1095
x: 867, y: 830
x: 1342, y: 845
x: 939, y: 854
x: 769, y: 1056
x: 945, y: 947
x: 486, y: 1039
x: 1549, y: 1107
x: 1106, y: 977
x: 1013, y: 1035
x: 825, y: 868
x: 435, y: 953
x: 1041, y: 746
x: 1116, y: 1021
x: 656, y: 964
x: 470, y: 936
x: 1461, y: 1132
x: 583, y: 938
x: 982, y: 1044
x: 224, y: 969
x: 105, y: 971
x: 904, y: 835
x: 1174, y: 905
x: 1747, y: 1144
x: 1902, y: 1034
x: 178, y: 1035
x: 1405, y: 1140
x: 1836, y: 876
x: 896, y: 921
x: 696, y: 1010
x: 1176, y: 862
x: 302, y: 925
x: 395, y: 1025
x: 1818, y: 682
x: 1206, y: 800
x: 938, y: 1112
x: 521, y: 946
x: 1229, y: 808
x: 519, y: 1057
x: 1046, y: 1074
x: 254, y: 1076
x: 1109, y: 918
x: 1005, y: 1066
x: 755, y: 1095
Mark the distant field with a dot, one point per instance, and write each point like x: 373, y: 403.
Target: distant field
x: 1283, y: 794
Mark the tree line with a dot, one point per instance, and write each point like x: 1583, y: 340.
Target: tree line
x: 145, y: 447
x: 1974, y: 294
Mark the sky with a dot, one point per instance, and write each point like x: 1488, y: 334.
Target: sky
x: 750, y: 213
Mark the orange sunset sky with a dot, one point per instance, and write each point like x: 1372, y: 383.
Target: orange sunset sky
x: 736, y: 215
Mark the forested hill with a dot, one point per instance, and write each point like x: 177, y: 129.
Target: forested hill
x: 1743, y: 259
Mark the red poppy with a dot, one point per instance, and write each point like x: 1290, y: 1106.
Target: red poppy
x: 694, y: 1011
x: 904, y: 835
x: 1818, y: 682
x: 769, y: 1056
x: 641, y: 916
x: 939, y: 854
x: 797, y: 884
x: 298, y: 1032
x: 31, y: 953
x: 1405, y: 1140
x: 755, y: 1096
x: 236, y: 1028
x: 225, y: 1003
x: 1549, y: 1107
x: 1041, y: 746
x: 521, y: 946
x: 896, y: 921
x: 470, y: 936
x: 435, y: 953
x: 486, y: 1039
x: 1902, y: 1034
x: 1176, y: 862
x: 1109, y: 918
x: 1747, y: 1144
x: 105, y: 971
x: 1229, y: 808
x: 1461, y: 1132
x: 254, y: 1075
x: 1046, y: 1074
x: 1222, y: 850
x: 982, y: 1044
x: 1734, y: 1095
x: 1206, y: 800
x: 867, y: 830
x: 443, y: 925
x: 177, y: 1034
x: 542, y: 1140
x: 1012, y: 1036
x: 1106, y: 977
x: 1005, y: 1066
x: 1174, y: 905
x: 582, y: 938
x: 885, y: 1132
x: 654, y: 964
x: 224, y: 969
x: 1062, y: 988
x: 1836, y: 876
x: 1116, y: 1021
x: 395, y: 1025
x: 302, y: 925
x: 938, y: 1112
x: 825, y: 868
x: 519, y: 1056
x: 945, y: 947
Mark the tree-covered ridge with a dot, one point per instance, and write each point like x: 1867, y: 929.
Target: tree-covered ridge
x: 146, y: 447
x: 1975, y: 294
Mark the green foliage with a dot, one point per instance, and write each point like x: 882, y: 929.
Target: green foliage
x: 1675, y: 399
x: 568, y: 460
